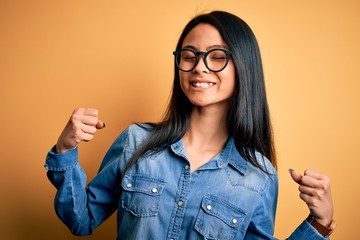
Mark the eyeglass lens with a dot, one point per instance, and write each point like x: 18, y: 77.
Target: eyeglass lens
x: 215, y: 60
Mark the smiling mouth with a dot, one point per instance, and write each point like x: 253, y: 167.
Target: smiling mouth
x: 202, y: 84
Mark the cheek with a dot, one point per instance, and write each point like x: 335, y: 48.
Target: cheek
x: 228, y: 79
x: 230, y: 86
x: 182, y: 79
x: 232, y: 77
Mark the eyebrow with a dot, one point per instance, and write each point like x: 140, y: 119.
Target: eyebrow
x: 207, y: 49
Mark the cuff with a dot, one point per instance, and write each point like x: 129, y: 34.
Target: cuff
x: 306, y: 231
x: 61, y: 161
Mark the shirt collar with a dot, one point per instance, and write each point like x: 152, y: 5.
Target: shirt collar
x: 229, y: 155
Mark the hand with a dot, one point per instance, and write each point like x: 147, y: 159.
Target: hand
x: 81, y: 126
x: 315, y: 191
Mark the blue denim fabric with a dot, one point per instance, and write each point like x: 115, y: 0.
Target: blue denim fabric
x: 226, y: 198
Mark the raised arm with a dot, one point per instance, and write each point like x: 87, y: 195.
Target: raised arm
x: 82, y: 208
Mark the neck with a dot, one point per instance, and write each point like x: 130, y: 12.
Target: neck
x: 207, y: 128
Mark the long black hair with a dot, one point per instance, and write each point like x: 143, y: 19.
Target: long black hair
x: 248, y: 119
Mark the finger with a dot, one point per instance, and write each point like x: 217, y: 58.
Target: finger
x: 79, y: 117
x: 309, y: 182
x: 313, y: 174
x: 87, y: 111
x: 295, y: 176
x: 100, y: 124
x: 308, y: 190
x: 88, y: 129
x: 319, y: 192
x: 88, y: 120
x: 86, y: 137
x: 309, y: 200
x: 321, y: 182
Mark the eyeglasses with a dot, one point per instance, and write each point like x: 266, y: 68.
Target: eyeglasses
x: 215, y: 60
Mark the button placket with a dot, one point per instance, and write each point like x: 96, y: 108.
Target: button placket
x: 182, y: 193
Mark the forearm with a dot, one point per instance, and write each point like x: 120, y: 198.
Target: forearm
x: 68, y: 177
x: 82, y: 207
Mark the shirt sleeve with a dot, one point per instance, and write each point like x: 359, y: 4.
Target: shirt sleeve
x: 82, y: 208
x: 262, y: 223
x: 305, y: 232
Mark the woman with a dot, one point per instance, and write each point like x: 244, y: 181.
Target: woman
x: 208, y: 170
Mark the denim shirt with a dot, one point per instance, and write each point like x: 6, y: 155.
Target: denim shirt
x: 161, y: 198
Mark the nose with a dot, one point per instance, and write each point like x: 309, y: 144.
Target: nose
x: 200, y: 66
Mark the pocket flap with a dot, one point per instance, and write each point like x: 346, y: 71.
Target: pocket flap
x: 144, y: 184
x: 224, y: 210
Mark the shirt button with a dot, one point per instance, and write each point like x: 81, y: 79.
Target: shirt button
x: 180, y: 203
x: 129, y: 185
x: 234, y: 221
x: 154, y: 190
x: 208, y: 207
x: 187, y: 167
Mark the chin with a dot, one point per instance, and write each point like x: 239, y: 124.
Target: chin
x: 200, y: 102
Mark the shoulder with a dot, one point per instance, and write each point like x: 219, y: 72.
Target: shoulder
x: 267, y: 173
x: 252, y: 177
x: 127, y: 143
x: 139, y: 131
x: 134, y: 135
x: 265, y: 164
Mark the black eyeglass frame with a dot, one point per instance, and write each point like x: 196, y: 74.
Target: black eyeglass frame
x: 204, y: 54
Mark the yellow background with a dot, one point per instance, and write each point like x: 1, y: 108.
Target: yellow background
x: 117, y: 56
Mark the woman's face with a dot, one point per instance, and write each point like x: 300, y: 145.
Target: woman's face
x: 202, y: 86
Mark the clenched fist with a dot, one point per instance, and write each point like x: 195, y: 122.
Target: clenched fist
x: 81, y: 126
x: 315, y: 191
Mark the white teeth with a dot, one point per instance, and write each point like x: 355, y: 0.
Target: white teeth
x: 202, y: 84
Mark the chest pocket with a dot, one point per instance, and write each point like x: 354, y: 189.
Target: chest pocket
x: 141, y: 195
x: 219, y: 219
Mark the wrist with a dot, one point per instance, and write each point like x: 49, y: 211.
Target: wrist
x: 59, y: 149
x: 324, y: 222
x: 62, y: 147
x: 325, y: 230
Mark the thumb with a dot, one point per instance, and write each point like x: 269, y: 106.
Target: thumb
x: 100, y: 124
x: 295, y: 176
